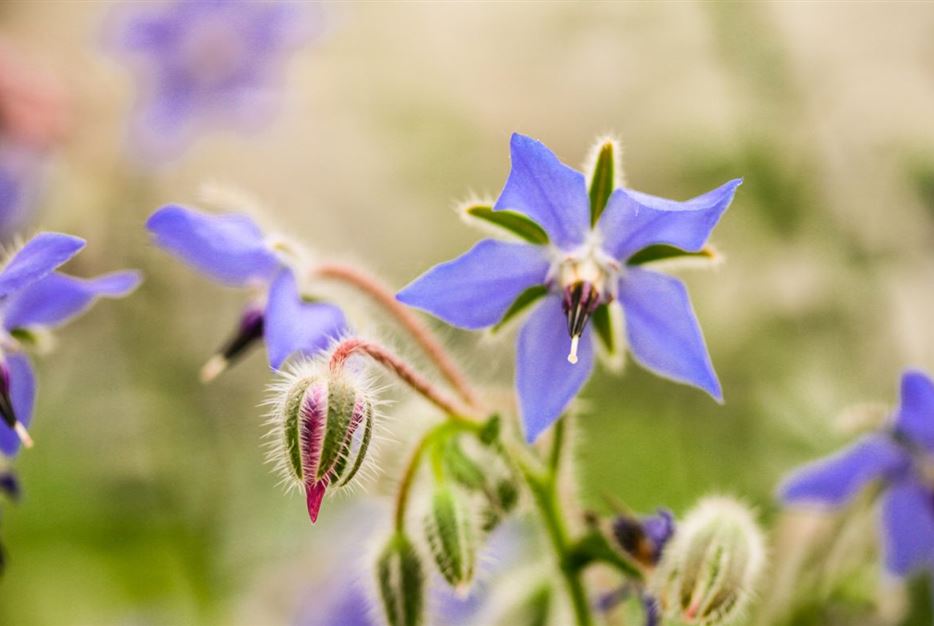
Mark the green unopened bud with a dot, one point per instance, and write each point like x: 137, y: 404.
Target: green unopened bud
x: 711, y: 567
x: 323, y: 425
x: 451, y: 538
x: 401, y: 582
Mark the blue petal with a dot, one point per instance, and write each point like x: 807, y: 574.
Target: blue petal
x: 22, y: 396
x: 39, y: 257
x: 545, y: 381
x: 293, y: 325
x: 908, y: 527
x: 915, y: 415
x: 633, y: 220
x: 229, y: 247
x: 548, y: 191
x: 832, y: 481
x: 662, y: 331
x: 476, y: 289
x: 58, y: 298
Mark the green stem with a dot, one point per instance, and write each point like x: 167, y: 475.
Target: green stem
x: 544, y: 489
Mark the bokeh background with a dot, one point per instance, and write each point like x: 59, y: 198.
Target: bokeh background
x: 147, y: 500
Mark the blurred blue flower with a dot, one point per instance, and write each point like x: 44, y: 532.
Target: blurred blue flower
x: 901, y: 458
x: 34, y: 298
x: 232, y: 249
x: 582, y: 266
x: 205, y: 63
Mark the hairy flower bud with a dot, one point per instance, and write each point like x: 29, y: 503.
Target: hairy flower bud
x: 323, y: 426
x: 710, y: 568
x: 451, y: 537
x: 401, y: 582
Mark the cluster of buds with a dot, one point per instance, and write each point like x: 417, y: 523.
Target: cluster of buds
x: 711, y: 567
x: 322, y: 429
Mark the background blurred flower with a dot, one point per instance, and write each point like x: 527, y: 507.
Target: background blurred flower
x: 34, y: 118
x: 204, y: 64
x: 900, y: 457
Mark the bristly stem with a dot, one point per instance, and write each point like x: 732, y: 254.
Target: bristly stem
x: 407, y: 319
x: 544, y: 489
x: 405, y: 372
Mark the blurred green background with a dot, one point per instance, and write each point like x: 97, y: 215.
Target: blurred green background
x: 147, y: 500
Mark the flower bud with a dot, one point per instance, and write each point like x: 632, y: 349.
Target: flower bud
x: 319, y: 441
x: 401, y: 582
x: 710, y: 568
x: 450, y: 535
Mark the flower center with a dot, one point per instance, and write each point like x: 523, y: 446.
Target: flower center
x: 586, y: 278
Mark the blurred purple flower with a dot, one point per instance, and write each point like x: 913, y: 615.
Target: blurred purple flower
x: 582, y: 266
x: 205, y: 63
x: 34, y: 297
x: 231, y: 249
x: 901, y: 458
x: 33, y: 119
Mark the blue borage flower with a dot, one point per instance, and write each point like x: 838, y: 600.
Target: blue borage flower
x: 232, y: 249
x: 900, y: 456
x: 33, y: 298
x: 581, y: 257
x: 205, y: 63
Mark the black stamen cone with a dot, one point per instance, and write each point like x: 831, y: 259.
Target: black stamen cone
x: 579, y: 303
x: 249, y: 331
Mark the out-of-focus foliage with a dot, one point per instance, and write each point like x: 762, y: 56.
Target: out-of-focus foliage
x: 146, y: 499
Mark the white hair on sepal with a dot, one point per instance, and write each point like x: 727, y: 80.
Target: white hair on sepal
x: 485, y: 226
x: 615, y: 362
x: 711, y: 259
x: 590, y: 162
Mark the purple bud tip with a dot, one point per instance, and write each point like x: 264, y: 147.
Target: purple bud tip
x: 314, y: 495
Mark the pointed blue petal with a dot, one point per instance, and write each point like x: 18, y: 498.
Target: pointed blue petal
x: 545, y: 381
x: 633, y: 221
x: 476, y: 289
x: 548, y: 191
x: 228, y: 247
x: 663, y: 332
x: 293, y: 325
x: 58, y: 298
x: 22, y: 396
x: 832, y: 481
x: 915, y: 415
x: 38, y: 258
x: 908, y: 527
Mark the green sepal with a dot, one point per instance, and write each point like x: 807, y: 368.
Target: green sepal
x: 361, y: 451
x: 602, y: 181
x: 461, y: 468
x: 521, y: 303
x: 401, y: 582
x: 516, y: 223
x: 491, y: 429
x: 450, y: 537
x: 342, y: 401
x: 662, y: 252
x: 603, y: 326
x: 292, y: 428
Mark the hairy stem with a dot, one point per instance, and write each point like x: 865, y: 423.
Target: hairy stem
x: 544, y: 489
x: 407, y: 319
x: 405, y: 372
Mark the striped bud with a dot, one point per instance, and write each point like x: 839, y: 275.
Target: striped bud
x: 323, y: 429
x: 401, y: 582
x: 711, y: 567
x: 451, y: 537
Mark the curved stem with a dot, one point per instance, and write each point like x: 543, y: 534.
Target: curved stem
x: 404, y: 371
x: 407, y: 319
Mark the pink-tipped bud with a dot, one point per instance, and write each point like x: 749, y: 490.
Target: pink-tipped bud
x: 325, y: 425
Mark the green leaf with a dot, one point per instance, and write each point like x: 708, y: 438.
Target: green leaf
x: 602, y: 181
x: 514, y: 222
x: 522, y: 302
x: 662, y: 252
x: 603, y: 325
